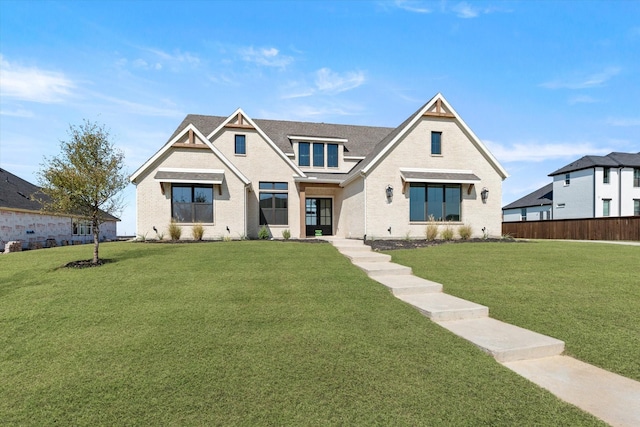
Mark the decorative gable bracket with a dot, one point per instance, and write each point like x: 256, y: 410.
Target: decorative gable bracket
x: 240, y: 122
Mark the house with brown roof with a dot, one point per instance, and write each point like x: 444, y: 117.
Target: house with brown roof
x: 22, y: 218
x: 236, y: 174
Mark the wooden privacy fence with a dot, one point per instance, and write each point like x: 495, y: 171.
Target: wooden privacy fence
x: 618, y: 228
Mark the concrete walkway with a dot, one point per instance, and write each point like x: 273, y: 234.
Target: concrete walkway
x: 608, y: 396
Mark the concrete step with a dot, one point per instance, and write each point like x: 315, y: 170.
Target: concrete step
x: 505, y: 342
x: 365, y: 256
x: 350, y: 245
x: 408, y: 284
x: 374, y: 269
x: 441, y: 307
x: 610, y: 397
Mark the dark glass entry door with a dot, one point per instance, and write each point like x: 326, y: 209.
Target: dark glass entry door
x: 318, y: 217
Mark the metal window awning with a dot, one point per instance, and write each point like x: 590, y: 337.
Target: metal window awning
x: 190, y: 176
x: 439, y: 176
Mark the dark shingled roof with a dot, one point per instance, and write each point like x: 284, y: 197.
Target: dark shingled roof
x: 540, y: 197
x: 16, y: 193
x: 610, y: 160
x: 360, y: 139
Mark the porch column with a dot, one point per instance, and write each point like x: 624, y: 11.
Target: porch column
x: 303, y: 210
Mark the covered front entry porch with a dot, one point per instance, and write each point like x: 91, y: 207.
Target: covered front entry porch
x: 319, y: 208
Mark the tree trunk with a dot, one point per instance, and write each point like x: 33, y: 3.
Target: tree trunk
x: 96, y: 241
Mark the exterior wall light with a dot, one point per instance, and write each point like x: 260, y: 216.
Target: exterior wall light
x: 484, y: 194
x: 389, y: 192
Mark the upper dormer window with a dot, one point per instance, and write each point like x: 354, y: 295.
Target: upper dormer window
x: 304, y: 155
x: 332, y: 155
x: 318, y: 155
x: 240, y: 145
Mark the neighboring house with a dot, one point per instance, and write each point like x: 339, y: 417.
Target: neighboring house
x: 598, y: 186
x: 535, y: 206
x: 21, y: 218
x: 235, y: 174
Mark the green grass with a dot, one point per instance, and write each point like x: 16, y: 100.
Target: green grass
x: 586, y: 294
x: 239, y: 333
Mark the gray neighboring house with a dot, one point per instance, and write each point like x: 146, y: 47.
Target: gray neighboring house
x: 21, y: 218
x: 535, y: 206
x: 597, y: 186
x: 590, y: 187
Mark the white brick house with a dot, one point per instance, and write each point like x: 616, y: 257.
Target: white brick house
x: 21, y: 218
x: 235, y: 174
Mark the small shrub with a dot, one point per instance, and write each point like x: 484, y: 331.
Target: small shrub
x: 197, y: 231
x: 286, y: 234
x: 407, y: 236
x: 263, y: 234
x: 142, y: 237
x: 431, y: 231
x: 447, y: 233
x: 175, y: 231
x: 226, y: 238
x: 465, y: 232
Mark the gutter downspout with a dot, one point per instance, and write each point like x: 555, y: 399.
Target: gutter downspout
x: 364, y: 185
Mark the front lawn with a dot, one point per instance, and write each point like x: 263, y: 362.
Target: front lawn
x: 239, y: 333
x: 586, y: 294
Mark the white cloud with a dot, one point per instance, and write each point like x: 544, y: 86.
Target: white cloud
x: 177, y: 57
x: 140, y: 109
x: 33, y: 84
x: 622, y: 121
x: 332, y: 82
x: 584, y: 82
x: 20, y: 112
x: 465, y: 10
x: 269, y: 57
x: 534, y: 151
x: 582, y: 99
x: 412, y: 6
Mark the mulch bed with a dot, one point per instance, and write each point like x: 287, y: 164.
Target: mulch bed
x: 389, y: 245
x: 86, y: 263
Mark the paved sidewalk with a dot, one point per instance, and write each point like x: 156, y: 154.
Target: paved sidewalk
x: 608, y: 396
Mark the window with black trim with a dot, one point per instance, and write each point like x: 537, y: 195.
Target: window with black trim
x: 636, y: 177
x: 606, y: 207
x: 567, y: 179
x: 435, y: 202
x: 605, y: 175
x: 241, y: 144
x: 636, y: 207
x: 274, y: 203
x: 192, y: 203
x: 304, y: 154
x: 436, y: 143
x: 318, y: 155
x: 332, y: 155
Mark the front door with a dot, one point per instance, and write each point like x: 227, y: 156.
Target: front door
x: 318, y: 217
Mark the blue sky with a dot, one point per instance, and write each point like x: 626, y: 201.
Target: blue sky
x: 541, y: 83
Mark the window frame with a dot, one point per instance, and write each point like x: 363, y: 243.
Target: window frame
x: 636, y: 207
x: 238, y: 144
x: 567, y: 179
x: 193, y: 219
x: 304, y: 156
x: 606, y: 207
x: 318, y: 155
x: 606, y: 175
x: 636, y: 177
x: 274, y: 190
x: 333, y: 156
x: 436, y: 143
x: 81, y: 227
x: 446, y: 206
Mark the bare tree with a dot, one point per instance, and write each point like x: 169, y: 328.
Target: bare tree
x: 86, y: 178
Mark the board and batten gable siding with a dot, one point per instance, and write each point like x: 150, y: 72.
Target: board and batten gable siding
x: 577, y: 197
x: 414, y: 151
x: 261, y: 163
x: 154, y: 208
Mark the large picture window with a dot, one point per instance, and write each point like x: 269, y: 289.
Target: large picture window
x: 437, y: 201
x: 274, y: 203
x: 192, y: 203
x: 82, y: 227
